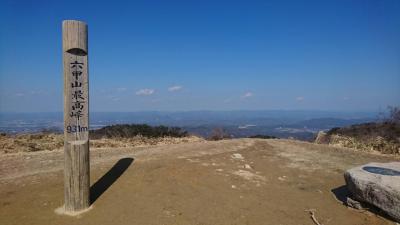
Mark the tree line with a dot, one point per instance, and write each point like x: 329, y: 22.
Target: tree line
x: 132, y: 130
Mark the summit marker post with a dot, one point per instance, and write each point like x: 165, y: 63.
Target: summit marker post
x: 76, y: 116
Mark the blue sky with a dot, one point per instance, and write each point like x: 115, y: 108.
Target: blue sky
x: 206, y: 55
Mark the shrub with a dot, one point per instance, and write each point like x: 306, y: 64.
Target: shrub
x: 263, y: 136
x: 132, y: 130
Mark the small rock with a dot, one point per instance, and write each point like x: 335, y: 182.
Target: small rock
x: 282, y: 178
x: 237, y: 156
x: 353, y: 203
x: 322, y: 138
x: 247, y: 166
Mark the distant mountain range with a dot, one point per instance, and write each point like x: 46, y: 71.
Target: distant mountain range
x: 280, y: 123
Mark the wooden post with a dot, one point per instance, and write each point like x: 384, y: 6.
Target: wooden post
x: 76, y: 116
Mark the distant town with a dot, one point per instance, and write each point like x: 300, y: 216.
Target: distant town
x: 301, y: 125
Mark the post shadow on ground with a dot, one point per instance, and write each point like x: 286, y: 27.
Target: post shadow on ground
x: 101, y: 185
x: 341, y: 193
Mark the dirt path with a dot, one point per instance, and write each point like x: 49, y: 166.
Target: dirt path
x: 243, y: 181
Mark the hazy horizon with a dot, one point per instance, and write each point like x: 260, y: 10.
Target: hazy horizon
x: 382, y: 110
x: 302, y: 124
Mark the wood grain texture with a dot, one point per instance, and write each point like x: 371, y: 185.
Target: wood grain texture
x: 76, y: 116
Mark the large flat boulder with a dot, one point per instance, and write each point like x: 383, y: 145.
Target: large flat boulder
x: 377, y: 184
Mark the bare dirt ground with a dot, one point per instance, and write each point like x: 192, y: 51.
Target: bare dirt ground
x: 242, y: 181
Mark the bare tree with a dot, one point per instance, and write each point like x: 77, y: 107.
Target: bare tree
x: 218, y: 134
x: 394, y: 114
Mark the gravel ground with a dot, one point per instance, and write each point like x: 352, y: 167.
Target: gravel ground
x: 241, y: 181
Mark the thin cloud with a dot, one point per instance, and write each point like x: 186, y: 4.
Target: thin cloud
x: 113, y: 98
x: 145, y: 92
x: 20, y: 94
x: 38, y: 92
x: 299, y: 98
x: 175, y: 88
x: 247, y: 95
x: 228, y: 100
x: 121, y: 89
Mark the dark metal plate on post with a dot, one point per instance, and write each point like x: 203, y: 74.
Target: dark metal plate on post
x: 381, y: 171
x: 77, y: 51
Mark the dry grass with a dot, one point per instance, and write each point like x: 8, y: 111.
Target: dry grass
x: 51, y: 142
x: 141, y: 141
x: 382, y: 137
x: 30, y: 142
